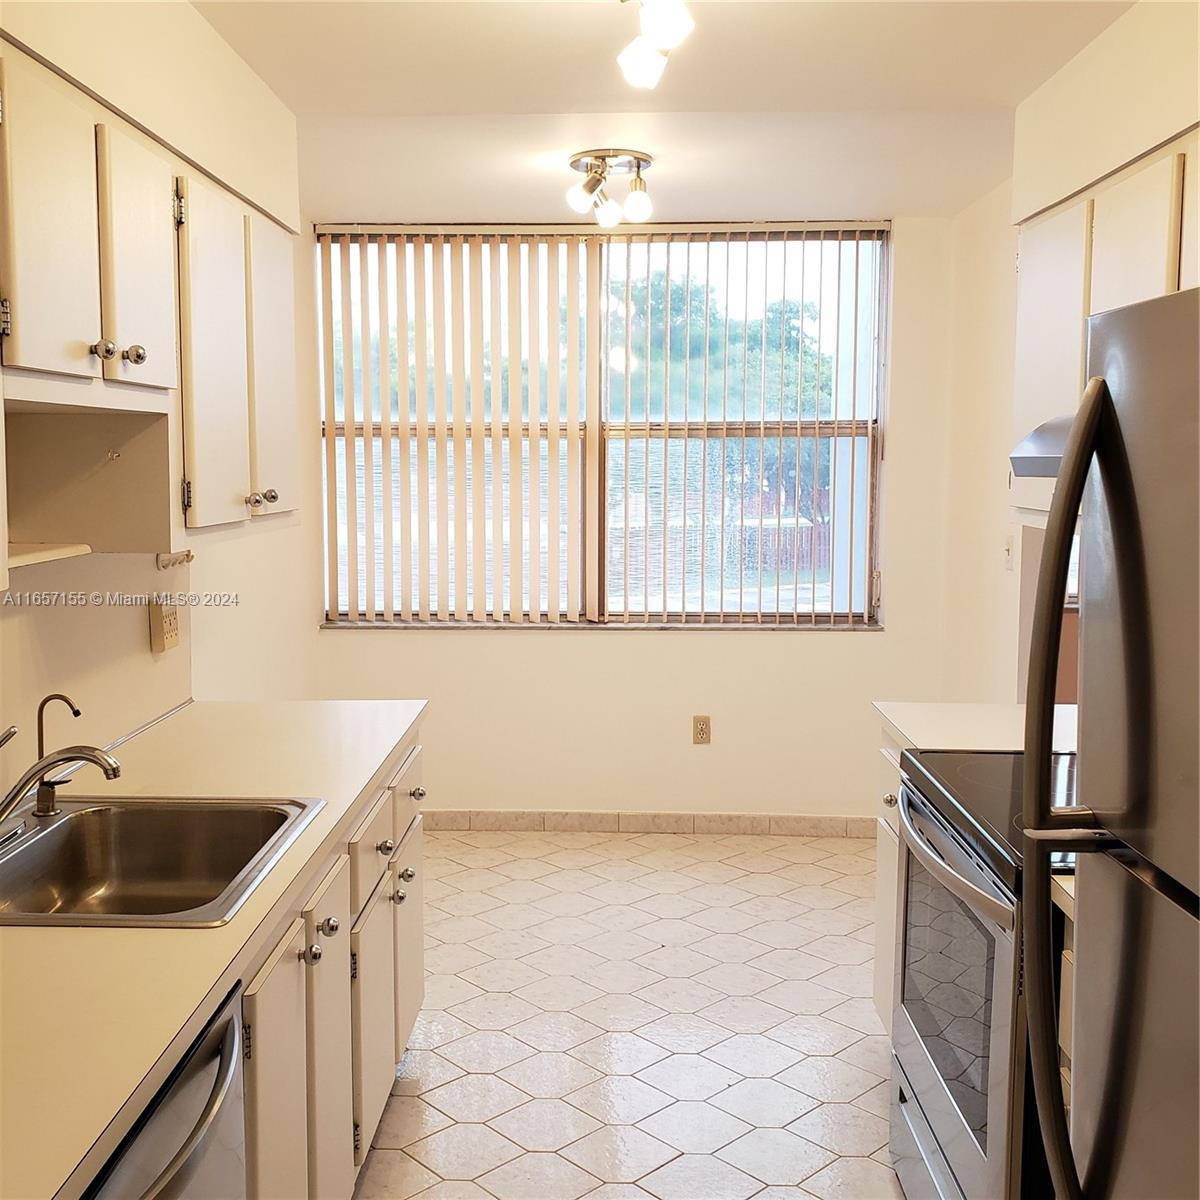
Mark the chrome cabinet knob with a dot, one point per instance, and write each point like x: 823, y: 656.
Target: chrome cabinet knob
x: 890, y: 800
x: 418, y: 793
x: 386, y: 846
x: 329, y: 926
x: 271, y: 496
x: 135, y: 354
x: 408, y: 874
x: 399, y: 895
x: 256, y: 500
x: 104, y: 349
x: 312, y: 955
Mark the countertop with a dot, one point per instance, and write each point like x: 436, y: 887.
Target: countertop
x: 86, y: 1013
x: 931, y: 726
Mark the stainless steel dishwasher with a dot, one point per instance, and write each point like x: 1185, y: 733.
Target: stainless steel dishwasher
x: 190, y: 1143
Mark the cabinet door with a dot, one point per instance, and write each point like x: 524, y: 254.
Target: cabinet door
x: 1052, y: 302
x: 1136, y: 231
x: 49, y: 252
x: 373, y: 1013
x: 137, y: 260
x: 408, y: 897
x: 330, y: 1079
x: 887, y: 860
x: 273, y: 1009
x: 271, y: 339
x: 212, y: 319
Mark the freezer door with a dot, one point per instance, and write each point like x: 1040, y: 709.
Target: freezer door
x: 1134, y: 1110
x: 1138, y: 586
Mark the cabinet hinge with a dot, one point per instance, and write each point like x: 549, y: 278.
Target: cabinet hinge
x: 185, y: 496
x: 5, y: 318
x: 180, y: 210
x: 353, y: 964
x: 357, y: 1137
x: 247, y: 1040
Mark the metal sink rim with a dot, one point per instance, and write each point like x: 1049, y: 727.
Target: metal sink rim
x: 212, y: 914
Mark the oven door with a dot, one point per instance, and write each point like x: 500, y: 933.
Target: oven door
x: 957, y: 1019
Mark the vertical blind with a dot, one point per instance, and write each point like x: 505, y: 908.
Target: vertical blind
x: 541, y: 427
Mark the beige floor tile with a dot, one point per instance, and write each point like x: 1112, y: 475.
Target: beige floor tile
x: 616, y: 891
x: 683, y: 1033
x: 474, y: 1098
x: 392, y: 1175
x: 619, y: 1099
x: 434, y: 1028
x: 776, y: 1156
x: 849, y: 981
x: 736, y: 979
x: 621, y: 978
x: 494, y: 1010
x: 839, y: 920
x: 815, y: 1035
x: 563, y: 960
x: 729, y: 947
x: 619, y: 1053
x: 550, y: 1076
x: 787, y: 964
x: 618, y: 1191
x: 724, y: 920
x: 839, y: 950
x: 420, y: 1070
x: 408, y: 1119
x: 622, y: 916
x: 486, y: 1051
x: 547, y: 1125
x: 753, y: 1055
x: 620, y: 945
x: 828, y: 1079
x: 454, y: 1189
x: 445, y: 991
x: 524, y: 868
x: 676, y: 962
x: 559, y: 993
x: 568, y: 931
x: 858, y: 1014
x: 694, y: 1127
x: 873, y: 1054
x: 855, y: 1179
x: 673, y: 931
x: 764, y: 1103
x: 501, y: 975
x: 744, y: 1014
x: 877, y: 1100
x: 617, y: 1013
x: 453, y: 957
x: 680, y: 995
x: 843, y: 1128
x: 538, y: 1177
x: 568, y: 904
x: 692, y: 1176
x: 801, y: 996
x: 619, y: 1153
x: 515, y: 917
x: 554, y: 1031
x: 689, y: 1076
x: 510, y: 943
x: 780, y: 935
x: 464, y: 1151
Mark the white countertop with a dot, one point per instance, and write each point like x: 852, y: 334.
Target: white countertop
x: 85, y: 1013
x: 932, y: 726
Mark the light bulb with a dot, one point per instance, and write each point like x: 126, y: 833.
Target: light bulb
x: 638, y: 206
x: 641, y: 64
x: 608, y: 211
x: 665, y: 23
x: 581, y: 196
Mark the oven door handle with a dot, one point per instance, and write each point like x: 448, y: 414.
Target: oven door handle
x: 994, y: 909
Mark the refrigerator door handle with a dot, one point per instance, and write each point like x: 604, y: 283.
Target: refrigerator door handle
x: 1046, y: 830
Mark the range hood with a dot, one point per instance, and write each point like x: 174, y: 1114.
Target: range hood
x: 1039, y: 454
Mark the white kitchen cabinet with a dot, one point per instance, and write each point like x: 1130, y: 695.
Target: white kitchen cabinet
x: 212, y: 320
x: 1053, y: 290
x: 271, y: 342
x: 408, y: 900
x: 49, y: 252
x: 373, y: 1013
x: 331, y: 1164
x: 137, y: 260
x: 887, y: 854
x: 371, y: 847
x: 274, y: 1028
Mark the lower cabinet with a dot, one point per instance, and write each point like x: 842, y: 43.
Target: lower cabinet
x: 887, y: 858
x: 274, y: 1037
x: 331, y: 1165
x: 372, y: 1012
x: 408, y: 896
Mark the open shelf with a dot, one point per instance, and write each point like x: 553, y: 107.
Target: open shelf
x: 25, y: 554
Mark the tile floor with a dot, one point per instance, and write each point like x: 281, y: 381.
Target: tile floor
x: 642, y: 1017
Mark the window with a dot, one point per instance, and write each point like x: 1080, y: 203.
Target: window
x: 538, y: 428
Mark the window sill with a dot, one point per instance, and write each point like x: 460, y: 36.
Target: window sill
x: 633, y: 626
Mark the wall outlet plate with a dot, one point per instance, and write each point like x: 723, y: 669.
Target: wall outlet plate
x: 164, y: 627
x: 701, y: 731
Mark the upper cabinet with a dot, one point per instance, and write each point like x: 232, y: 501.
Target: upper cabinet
x: 137, y: 260
x: 49, y: 252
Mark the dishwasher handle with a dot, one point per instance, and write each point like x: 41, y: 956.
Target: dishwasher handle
x: 175, y: 1174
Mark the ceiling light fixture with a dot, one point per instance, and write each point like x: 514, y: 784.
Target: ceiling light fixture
x: 591, y: 194
x: 664, y: 24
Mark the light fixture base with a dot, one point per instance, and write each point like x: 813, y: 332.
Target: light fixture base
x: 612, y: 161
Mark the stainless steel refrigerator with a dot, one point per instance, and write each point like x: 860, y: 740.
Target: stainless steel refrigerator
x: 1131, y: 461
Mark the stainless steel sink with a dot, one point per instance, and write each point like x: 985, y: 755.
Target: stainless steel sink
x: 143, y: 862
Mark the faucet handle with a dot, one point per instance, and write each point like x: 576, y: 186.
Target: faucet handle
x: 8, y: 735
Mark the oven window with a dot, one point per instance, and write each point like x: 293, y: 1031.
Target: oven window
x: 949, y: 959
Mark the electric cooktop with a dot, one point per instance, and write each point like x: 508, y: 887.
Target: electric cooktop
x: 979, y: 793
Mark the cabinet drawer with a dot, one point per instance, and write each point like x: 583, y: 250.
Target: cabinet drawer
x: 371, y: 846
x: 408, y: 791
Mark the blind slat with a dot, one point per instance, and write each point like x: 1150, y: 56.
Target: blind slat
x: 516, y: 607
x: 495, y: 367
x: 421, y: 446
x: 386, y: 414
x: 574, y: 530
x: 533, y: 392
x: 367, y: 408
x: 459, y: 440
x: 478, y: 472
x: 592, y: 498
x: 351, y: 448
x: 554, y: 433
x: 332, y: 599
x: 403, y: 440
x: 442, y: 589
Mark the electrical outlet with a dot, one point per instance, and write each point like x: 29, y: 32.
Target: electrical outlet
x: 164, y: 627
x: 701, y: 731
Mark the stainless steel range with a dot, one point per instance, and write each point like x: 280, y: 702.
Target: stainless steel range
x: 962, y: 1118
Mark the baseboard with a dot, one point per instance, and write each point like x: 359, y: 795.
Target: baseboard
x: 538, y: 821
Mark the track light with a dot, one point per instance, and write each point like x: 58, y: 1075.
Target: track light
x: 665, y: 23
x: 581, y: 197
x: 638, y: 206
x: 608, y: 211
x: 641, y: 64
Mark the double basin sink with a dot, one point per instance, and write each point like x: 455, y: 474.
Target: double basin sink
x: 171, y: 863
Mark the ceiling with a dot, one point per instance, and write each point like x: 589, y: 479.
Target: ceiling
x: 467, y: 111
x: 345, y: 58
